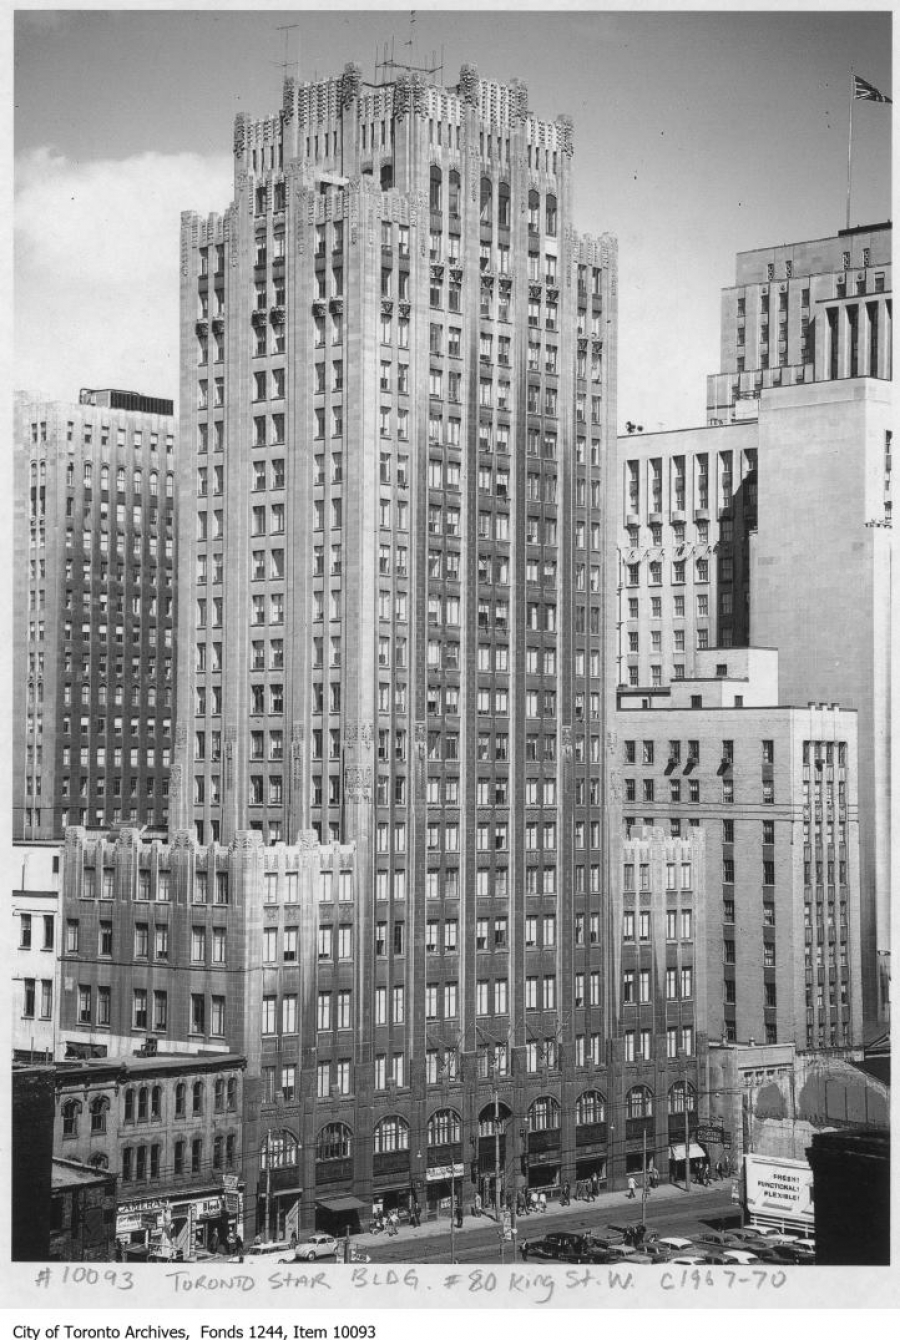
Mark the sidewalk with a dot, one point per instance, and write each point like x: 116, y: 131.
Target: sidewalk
x: 608, y: 1206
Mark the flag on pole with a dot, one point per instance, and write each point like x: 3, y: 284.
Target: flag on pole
x: 868, y: 92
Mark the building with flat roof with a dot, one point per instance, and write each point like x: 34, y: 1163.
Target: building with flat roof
x: 94, y: 614
x: 804, y: 312
x: 688, y: 506
x: 823, y: 591
x: 776, y: 792
x: 169, y: 1127
x: 35, y: 870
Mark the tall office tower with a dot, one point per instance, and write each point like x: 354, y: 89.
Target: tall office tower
x: 94, y: 536
x: 804, y: 312
x: 398, y: 399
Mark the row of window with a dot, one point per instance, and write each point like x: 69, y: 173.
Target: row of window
x: 637, y: 985
x: 145, y: 1103
x: 648, y: 791
x: 207, y: 1015
x: 155, y: 886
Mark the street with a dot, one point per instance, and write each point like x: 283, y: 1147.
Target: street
x: 478, y: 1240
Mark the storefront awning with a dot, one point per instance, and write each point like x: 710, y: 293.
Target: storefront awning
x: 341, y: 1204
x: 676, y: 1152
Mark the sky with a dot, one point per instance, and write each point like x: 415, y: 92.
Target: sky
x: 697, y: 135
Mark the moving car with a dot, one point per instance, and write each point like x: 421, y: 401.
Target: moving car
x: 319, y: 1244
x: 555, y: 1247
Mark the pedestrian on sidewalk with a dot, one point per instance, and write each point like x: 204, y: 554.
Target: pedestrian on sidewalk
x: 631, y: 1188
x: 595, y: 1186
x: 542, y: 1201
x: 565, y: 1193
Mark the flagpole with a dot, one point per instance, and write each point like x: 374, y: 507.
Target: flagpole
x: 849, y: 146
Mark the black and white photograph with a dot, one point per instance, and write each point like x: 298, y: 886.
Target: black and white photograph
x: 449, y: 664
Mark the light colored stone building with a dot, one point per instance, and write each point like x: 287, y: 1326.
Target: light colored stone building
x: 775, y: 790
x: 804, y: 312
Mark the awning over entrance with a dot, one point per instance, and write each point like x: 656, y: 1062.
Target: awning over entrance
x: 676, y: 1152
x: 341, y: 1204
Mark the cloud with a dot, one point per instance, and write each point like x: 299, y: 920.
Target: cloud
x: 96, y: 267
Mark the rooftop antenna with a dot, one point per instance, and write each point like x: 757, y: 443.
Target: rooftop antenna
x: 287, y: 28
x: 387, y: 69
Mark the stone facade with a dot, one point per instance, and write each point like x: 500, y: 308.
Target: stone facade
x: 94, y: 614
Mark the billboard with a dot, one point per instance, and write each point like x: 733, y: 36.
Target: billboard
x: 779, y: 1189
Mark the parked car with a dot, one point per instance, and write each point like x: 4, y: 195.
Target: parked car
x: 734, y: 1256
x: 805, y: 1248
x: 717, y: 1241
x: 746, y: 1236
x: 774, y: 1236
x: 690, y: 1259
x: 555, y: 1247
x: 319, y: 1244
x: 789, y: 1254
x: 676, y: 1244
x: 262, y: 1250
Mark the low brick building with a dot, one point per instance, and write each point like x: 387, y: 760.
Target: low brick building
x: 169, y: 1129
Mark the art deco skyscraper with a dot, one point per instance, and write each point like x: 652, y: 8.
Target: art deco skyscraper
x: 397, y: 419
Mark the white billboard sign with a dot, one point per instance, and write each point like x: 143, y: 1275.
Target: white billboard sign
x: 779, y: 1189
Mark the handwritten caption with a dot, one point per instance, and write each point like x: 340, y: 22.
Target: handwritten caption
x: 530, y: 1285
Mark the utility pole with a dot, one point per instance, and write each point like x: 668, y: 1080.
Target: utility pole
x: 452, y: 1215
x: 644, y: 1189
x: 687, y: 1142
x: 268, y: 1179
x: 496, y: 1144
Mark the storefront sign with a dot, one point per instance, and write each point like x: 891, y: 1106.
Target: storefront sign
x: 710, y: 1135
x: 445, y: 1172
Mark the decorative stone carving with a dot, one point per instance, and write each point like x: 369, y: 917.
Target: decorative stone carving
x: 307, y: 839
x: 365, y: 735
x: 358, y: 785
x: 611, y: 741
x: 240, y: 133
x: 351, y: 82
x: 257, y: 317
x: 336, y: 305
x: 468, y: 84
x: 567, y: 742
x: 319, y: 308
x: 181, y: 734
x: 387, y: 306
x: 276, y: 315
x: 534, y: 292
x: 404, y: 308
x: 566, y: 131
x: 218, y: 325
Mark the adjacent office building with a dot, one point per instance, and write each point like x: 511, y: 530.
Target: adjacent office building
x: 94, y: 611
x: 771, y: 527
x: 804, y: 312
x: 776, y: 792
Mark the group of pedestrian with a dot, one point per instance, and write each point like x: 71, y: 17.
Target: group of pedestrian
x: 588, y: 1189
